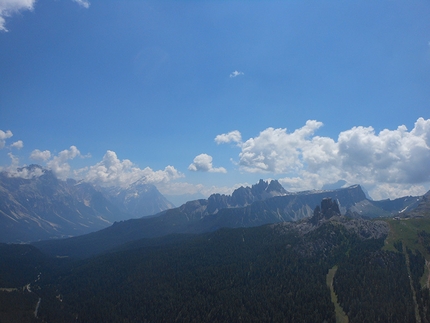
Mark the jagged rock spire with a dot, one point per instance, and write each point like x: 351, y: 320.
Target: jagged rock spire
x: 328, y: 209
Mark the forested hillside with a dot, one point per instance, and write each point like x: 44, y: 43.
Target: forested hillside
x: 271, y: 273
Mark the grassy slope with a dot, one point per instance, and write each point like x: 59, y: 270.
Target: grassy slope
x: 341, y: 317
x: 406, y: 231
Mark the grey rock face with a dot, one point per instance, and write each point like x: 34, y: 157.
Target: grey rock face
x: 36, y: 205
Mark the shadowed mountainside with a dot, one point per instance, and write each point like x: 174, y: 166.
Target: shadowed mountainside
x: 205, y: 216
x: 37, y: 205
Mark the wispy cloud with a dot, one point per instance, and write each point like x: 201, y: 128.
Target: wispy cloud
x: 236, y: 74
x: 83, y: 3
x: 203, y: 163
x: 10, y: 7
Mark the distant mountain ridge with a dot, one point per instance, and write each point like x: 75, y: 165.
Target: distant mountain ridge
x: 241, y: 197
x: 36, y: 205
x: 271, y: 204
x: 139, y: 199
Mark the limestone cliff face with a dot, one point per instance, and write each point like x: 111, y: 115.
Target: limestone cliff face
x: 328, y: 209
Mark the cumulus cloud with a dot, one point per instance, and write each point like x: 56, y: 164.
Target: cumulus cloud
x: 277, y: 151
x: 10, y: 7
x: 40, y: 155
x: 391, y: 156
x: 17, y: 144
x: 360, y: 155
x: 26, y: 173
x: 59, y: 164
x: 83, y: 3
x: 112, y: 171
x: 203, y: 163
x: 236, y: 74
x: 233, y: 136
x: 3, y: 136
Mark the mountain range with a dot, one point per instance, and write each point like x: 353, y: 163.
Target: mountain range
x: 261, y: 254
x: 262, y: 203
x: 40, y: 206
x: 317, y: 269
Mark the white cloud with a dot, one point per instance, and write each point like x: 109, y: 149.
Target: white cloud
x: 391, y: 156
x: 400, y: 158
x: 10, y: 7
x: 232, y: 136
x: 4, y: 136
x: 275, y: 150
x: 59, y: 165
x: 382, y: 191
x: 83, y: 3
x: 14, y: 161
x: 13, y: 170
x: 2, y: 23
x: 17, y: 144
x: 236, y: 74
x: 203, y: 163
x: 111, y: 171
x: 40, y: 155
x: 25, y: 172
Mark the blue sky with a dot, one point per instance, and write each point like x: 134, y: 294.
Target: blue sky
x: 204, y: 96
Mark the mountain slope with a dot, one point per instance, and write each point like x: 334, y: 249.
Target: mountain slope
x: 270, y: 273
x: 44, y: 207
x: 421, y: 209
x: 138, y: 199
x: 39, y: 206
x: 207, y: 215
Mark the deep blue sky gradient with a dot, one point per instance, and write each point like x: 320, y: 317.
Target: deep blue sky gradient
x: 150, y: 79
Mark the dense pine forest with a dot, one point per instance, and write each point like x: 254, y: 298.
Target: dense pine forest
x: 271, y: 273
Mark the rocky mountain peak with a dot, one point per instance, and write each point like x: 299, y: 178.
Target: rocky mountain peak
x: 260, y: 186
x: 275, y: 186
x: 258, y: 192
x: 138, y: 199
x: 272, y: 188
x: 328, y: 209
x: 35, y: 204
